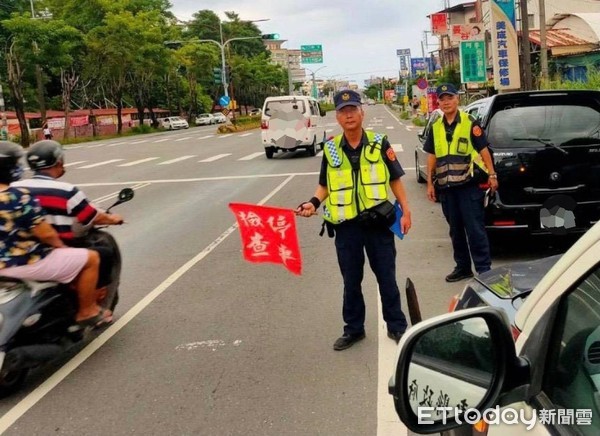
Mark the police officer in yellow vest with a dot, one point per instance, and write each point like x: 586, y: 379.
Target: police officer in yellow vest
x: 463, y: 167
x: 357, y: 169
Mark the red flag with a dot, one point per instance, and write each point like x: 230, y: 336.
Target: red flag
x: 268, y: 235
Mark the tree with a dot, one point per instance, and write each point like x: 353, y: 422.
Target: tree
x: 54, y: 42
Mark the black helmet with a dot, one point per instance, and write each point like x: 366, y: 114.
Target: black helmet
x: 10, y: 167
x: 44, y: 154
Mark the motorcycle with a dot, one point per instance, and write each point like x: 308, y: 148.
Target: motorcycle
x: 37, y: 319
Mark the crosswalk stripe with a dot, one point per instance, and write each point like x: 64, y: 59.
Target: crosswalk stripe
x: 225, y: 136
x: 179, y: 159
x: 252, y: 156
x: 397, y: 147
x: 106, y: 162
x: 135, y: 162
x: 138, y: 142
x: 214, y: 158
x: 162, y: 140
x: 182, y: 139
x: 245, y: 134
x: 74, y: 163
x: 206, y: 137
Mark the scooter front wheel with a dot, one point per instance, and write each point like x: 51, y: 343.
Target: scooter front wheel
x: 11, y: 381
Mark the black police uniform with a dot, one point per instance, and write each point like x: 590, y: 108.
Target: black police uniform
x: 353, y: 238
x: 463, y: 205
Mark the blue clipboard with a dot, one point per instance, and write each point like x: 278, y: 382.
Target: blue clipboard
x: 395, y: 228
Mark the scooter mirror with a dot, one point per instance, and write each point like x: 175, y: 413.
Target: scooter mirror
x: 126, y: 194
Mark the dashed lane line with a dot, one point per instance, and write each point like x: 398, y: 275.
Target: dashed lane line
x: 136, y: 162
x: 214, y: 158
x: 106, y: 162
x: 179, y: 159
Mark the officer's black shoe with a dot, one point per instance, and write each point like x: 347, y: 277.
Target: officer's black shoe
x: 458, y: 275
x: 396, y: 336
x: 347, y: 340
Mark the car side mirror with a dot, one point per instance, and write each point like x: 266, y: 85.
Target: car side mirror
x: 421, y: 136
x: 453, y: 367
x: 124, y: 196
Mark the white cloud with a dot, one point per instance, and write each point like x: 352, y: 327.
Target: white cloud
x: 359, y: 37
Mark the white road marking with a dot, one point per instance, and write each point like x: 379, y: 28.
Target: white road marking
x: 139, y: 142
x: 179, y: 159
x: 135, y: 162
x: 19, y: 409
x: 115, y: 144
x: 202, y: 179
x: 183, y: 139
x: 408, y: 128
x: 388, y: 422
x: 245, y: 134
x: 319, y: 154
x: 328, y: 130
x: 397, y: 147
x: 390, y: 127
x: 213, y: 344
x: 106, y: 162
x: 252, y: 156
x: 162, y: 140
x: 225, y: 135
x: 369, y: 128
x: 95, y: 146
x: 205, y: 137
x: 214, y: 158
x: 74, y: 163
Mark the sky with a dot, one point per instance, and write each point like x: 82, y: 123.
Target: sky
x: 359, y: 37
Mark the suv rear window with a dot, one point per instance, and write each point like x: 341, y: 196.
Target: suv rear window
x: 284, y: 105
x: 527, y: 126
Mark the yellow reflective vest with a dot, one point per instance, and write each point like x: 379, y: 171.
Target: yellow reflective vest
x: 455, y: 161
x: 351, y: 192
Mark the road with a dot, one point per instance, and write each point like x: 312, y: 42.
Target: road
x: 207, y: 344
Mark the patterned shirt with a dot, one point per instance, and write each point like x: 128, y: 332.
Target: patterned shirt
x: 19, y: 214
x: 64, y: 204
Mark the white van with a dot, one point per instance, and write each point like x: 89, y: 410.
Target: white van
x: 290, y: 122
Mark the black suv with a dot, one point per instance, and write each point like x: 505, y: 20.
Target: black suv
x: 546, y: 148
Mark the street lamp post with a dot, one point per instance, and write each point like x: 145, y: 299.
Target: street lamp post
x: 222, y: 44
x: 314, y: 86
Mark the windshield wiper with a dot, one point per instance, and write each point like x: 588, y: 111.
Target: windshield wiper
x: 543, y: 141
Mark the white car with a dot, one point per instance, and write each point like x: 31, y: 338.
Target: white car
x: 173, y: 123
x: 469, y: 361
x: 219, y: 118
x: 205, y: 119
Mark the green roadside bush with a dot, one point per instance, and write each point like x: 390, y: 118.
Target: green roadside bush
x: 404, y: 115
x: 327, y: 107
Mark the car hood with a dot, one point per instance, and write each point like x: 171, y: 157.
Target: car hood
x: 514, y: 279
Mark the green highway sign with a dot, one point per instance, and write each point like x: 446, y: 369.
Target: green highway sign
x: 311, y: 54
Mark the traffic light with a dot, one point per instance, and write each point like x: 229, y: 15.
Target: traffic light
x: 270, y: 36
x: 217, y: 75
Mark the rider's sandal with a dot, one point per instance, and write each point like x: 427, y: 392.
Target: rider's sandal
x: 104, y: 317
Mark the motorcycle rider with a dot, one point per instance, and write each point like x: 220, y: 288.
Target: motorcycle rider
x: 31, y: 249
x: 67, y: 208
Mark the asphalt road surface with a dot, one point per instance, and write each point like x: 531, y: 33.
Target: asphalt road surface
x: 205, y: 343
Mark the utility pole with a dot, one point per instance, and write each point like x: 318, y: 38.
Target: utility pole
x: 289, y: 70
x: 543, y: 45
x: 525, y: 50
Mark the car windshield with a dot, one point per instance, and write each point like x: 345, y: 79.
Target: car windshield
x: 284, y: 106
x: 557, y: 124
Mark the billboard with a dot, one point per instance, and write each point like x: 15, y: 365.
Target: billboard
x: 439, y: 23
x: 505, y: 49
x: 472, y: 61
x: 467, y: 32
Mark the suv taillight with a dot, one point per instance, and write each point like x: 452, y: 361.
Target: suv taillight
x: 264, y: 124
x: 308, y: 123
